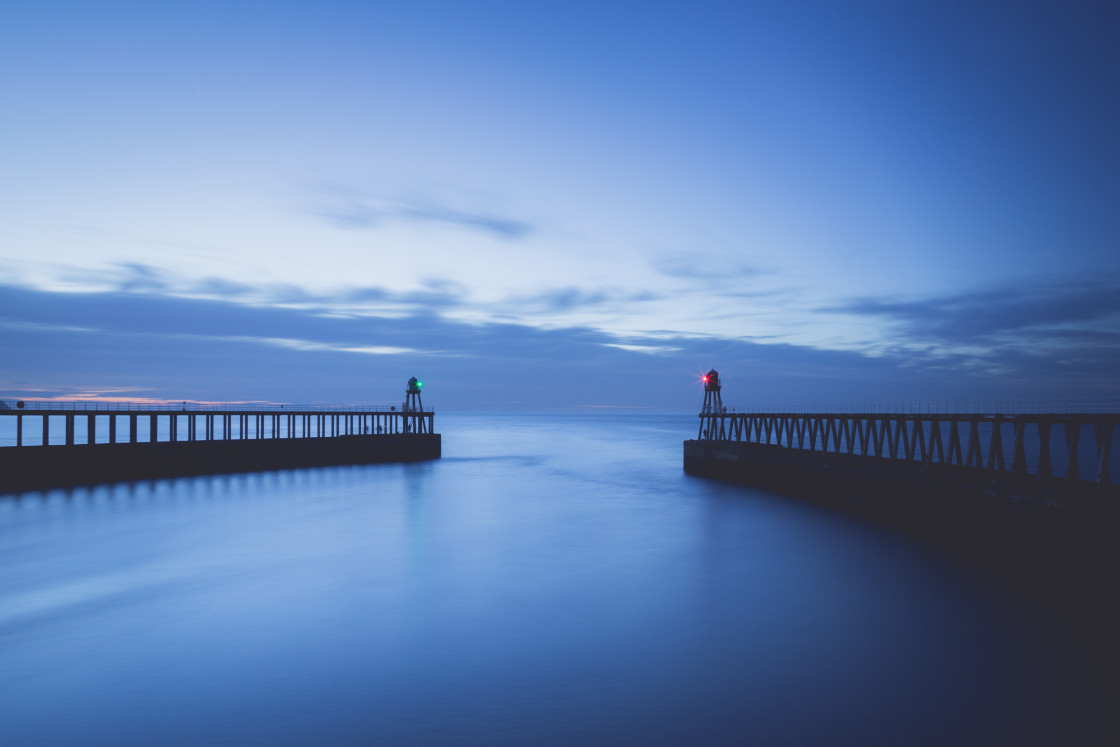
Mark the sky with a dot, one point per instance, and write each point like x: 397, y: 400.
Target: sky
x: 560, y: 205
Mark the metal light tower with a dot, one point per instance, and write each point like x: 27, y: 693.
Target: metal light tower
x: 712, y: 401
x: 713, y: 406
x: 412, y: 403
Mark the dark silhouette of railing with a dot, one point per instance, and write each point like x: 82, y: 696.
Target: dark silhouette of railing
x: 216, y: 422
x: 973, y: 441
x: 17, y: 407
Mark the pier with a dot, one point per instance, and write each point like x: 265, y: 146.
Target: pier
x: 1027, y: 503
x: 1053, y: 457
x: 74, y: 443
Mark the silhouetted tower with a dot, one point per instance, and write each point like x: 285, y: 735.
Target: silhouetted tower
x: 712, y: 401
x: 713, y: 407
x: 412, y: 403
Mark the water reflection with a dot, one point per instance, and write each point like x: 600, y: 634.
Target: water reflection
x: 549, y: 580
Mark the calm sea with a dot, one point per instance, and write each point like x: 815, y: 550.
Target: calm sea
x: 553, y: 579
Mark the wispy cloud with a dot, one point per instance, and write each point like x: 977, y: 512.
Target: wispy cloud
x: 366, y: 212
x: 707, y: 266
x: 559, y: 300
x: 650, y: 349
x: 207, y: 350
x: 1081, y: 310
x: 314, y: 346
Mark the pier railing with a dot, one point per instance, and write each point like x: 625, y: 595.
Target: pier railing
x: 1019, y: 443
x: 201, y: 422
x: 29, y: 407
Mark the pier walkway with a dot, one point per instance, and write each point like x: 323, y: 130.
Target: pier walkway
x: 138, y: 422
x: 1045, y: 445
x: 52, y: 444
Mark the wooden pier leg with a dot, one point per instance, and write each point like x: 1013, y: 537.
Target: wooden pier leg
x: 1104, y: 446
x: 995, y: 447
x: 974, y: 457
x: 46, y: 429
x: 132, y: 429
x: 955, y: 442
x: 919, y: 441
x: 153, y: 426
x: 893, y: 428
x: 112, y: 429
x: 1044, y: 468
x: 19, y: 430
x: 936, y: 443
x: 1073, y: 435
x: 1019, y: 457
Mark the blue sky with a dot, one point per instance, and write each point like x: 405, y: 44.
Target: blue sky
x: 830, y: 202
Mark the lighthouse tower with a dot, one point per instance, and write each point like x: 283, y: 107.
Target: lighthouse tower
x: 713, y: 405
x: 413, y: 404
x: 412, y: 401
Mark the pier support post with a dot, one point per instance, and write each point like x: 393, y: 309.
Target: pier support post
x: 995, y: 446
x: 91, y: 428
x: 112, y: 429
x: 1019, y: 454
x: 1044, y: 467
x: 1073, y: 435
x: 1104, y: 446
x: 132, y: 429
x: 69, y: 430
x: 19, y: 430
x: 936, y: 442
x: 153, y: 428
x: 46, y: 429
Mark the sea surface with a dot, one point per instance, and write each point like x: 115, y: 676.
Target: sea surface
x: 553, y: 579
